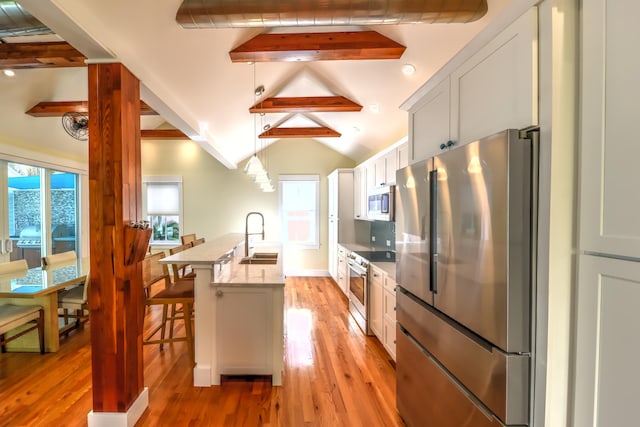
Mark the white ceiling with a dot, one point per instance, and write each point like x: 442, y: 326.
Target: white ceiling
x: 188, y: 77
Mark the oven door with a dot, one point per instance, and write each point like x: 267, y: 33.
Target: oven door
x: 358, y: 279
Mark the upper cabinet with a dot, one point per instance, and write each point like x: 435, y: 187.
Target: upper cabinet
x: 497, y: 88
x: 477, y: 99
x: 429, y: 123
x: 385, y: 168
x: 609, y: 204
x: 403, y: 156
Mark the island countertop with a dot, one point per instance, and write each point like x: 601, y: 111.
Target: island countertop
x: 236, y: 274
x: 208, y: 252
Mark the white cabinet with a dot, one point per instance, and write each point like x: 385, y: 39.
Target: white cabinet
x: 343, y: 270
x: 607, y: 344
x: 608, y: 291
x: 382, y: 308
x: 429, y: 123
x: 249, y: 329
x: 341, y: 222
x: 493, y: 90
x: 403, y: 155
x: 359, y: 192
x: 610, y: 92
x: 389, y: 314
x: 497, y: 88
x: 370, y: 171
x: 381, y: 171
x: 376, y: 288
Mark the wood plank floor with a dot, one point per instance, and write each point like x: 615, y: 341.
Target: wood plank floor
x: 334, y: 376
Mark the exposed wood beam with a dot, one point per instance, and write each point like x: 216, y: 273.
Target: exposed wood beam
x: 58, y: 108
x: 162, y: 134
x: 301, y: 132
x: 305, y: 104
x: 317, y: 47
x: 40, y: 55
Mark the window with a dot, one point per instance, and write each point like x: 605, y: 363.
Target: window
x: 299, y: 210
x: 42, y: 211
x: 162, y: 204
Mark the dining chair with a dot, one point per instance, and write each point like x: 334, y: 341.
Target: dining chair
x: 181, y: 272
x: 76, y: 300
x: 12, y: 316
x: 179, y: 291
x: 187, y: 238
x: 17, y: 267
x: 59, y: 258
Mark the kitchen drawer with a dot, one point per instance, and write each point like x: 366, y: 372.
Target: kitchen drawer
x: 377, y: 275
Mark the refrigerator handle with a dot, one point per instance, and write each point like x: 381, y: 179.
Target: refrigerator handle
x: 433, y: 231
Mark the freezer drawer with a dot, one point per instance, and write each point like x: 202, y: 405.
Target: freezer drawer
x: 427, y: 396
x: 499, y: 380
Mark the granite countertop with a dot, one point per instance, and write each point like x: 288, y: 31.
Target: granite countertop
x: 235, y: 274
x: 208, y: 252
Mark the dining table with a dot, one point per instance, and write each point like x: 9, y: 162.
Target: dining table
x: 40, y: 286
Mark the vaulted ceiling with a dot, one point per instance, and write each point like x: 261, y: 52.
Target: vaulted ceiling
x: 198, y: 80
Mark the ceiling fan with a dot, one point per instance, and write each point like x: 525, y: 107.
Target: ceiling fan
x: 76, y: 124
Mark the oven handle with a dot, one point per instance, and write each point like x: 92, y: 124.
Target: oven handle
x: 357, y: 268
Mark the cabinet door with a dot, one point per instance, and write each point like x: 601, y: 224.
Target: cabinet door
x: 429, y: 123
x: 610, y: 92
x: 332, y: 245
x: 375, y: 315
x: 496, y: 88
x: 391, y: 165
x: 380, y: 171
x: 403, y: 156
x: 245, y: 326
x: 357, y: 192
x: 332, y: 184
x: 390, y: 337
x: 370, y: 167
x: 607, y: 344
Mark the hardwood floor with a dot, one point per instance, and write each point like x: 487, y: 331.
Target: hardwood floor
x: 334, y: 376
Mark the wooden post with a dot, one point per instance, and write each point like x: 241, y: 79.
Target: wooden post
x: 116, y: 298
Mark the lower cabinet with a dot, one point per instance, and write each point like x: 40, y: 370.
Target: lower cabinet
x: 376, y: 301
x: 249, y: 330
x: 607, y: 346
x: 343, y: 270
x: 382, y: 309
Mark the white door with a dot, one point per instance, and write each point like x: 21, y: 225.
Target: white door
x: 608, y: 343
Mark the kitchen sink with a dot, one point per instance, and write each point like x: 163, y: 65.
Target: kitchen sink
x: 261, y: 258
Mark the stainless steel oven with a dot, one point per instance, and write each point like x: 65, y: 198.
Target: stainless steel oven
x: 358, y: 290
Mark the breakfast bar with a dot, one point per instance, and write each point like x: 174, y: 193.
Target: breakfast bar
x: 239, y: 308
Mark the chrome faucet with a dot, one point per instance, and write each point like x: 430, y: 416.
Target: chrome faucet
x: 246, y: 231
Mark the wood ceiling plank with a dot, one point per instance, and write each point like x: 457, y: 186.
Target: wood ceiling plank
x: 40, y: 55
x: 301, y: 132
x: 317, y: 47
x: 305, y: 104
x: 58, y: 108
x: 162, y: 134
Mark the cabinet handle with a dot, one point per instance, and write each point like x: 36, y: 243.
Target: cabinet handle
x: 219, y: 293
x: 394, y: 308
x: 448, y: 144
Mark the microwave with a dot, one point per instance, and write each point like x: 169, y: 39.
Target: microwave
x: 380, y: 203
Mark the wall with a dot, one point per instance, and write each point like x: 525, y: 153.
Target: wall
x: 216, y: 199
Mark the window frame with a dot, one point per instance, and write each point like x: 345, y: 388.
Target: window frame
x: 282, y: 180
x: 177, y: 180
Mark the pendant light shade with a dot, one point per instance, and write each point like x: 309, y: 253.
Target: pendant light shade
x: 253, y: 166
x: 261, y: 178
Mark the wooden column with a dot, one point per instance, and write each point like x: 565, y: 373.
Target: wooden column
x: 116, y: 298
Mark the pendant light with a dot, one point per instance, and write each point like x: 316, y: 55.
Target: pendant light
x: 254, y: 165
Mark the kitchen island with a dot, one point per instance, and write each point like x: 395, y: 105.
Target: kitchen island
x: 239, y: 309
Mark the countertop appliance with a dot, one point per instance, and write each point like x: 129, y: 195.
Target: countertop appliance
x: 381, y: 203
x: 358, y: 290
x: 464, y: 261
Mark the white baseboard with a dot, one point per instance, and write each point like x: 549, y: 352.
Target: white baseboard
x: 202, y: 375
x: 121, y: 419
x: 307, y: 273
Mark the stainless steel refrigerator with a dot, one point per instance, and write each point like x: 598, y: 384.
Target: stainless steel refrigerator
x: 465, y: 223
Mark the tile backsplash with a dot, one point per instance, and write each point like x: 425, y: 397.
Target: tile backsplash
x: 383, y: 235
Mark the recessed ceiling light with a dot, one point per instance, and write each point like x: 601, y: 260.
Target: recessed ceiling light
x: 408, y: 69
x: 375, y: 108
x: 9, y: 73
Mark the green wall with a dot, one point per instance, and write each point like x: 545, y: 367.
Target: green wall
x: 216, y: 199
